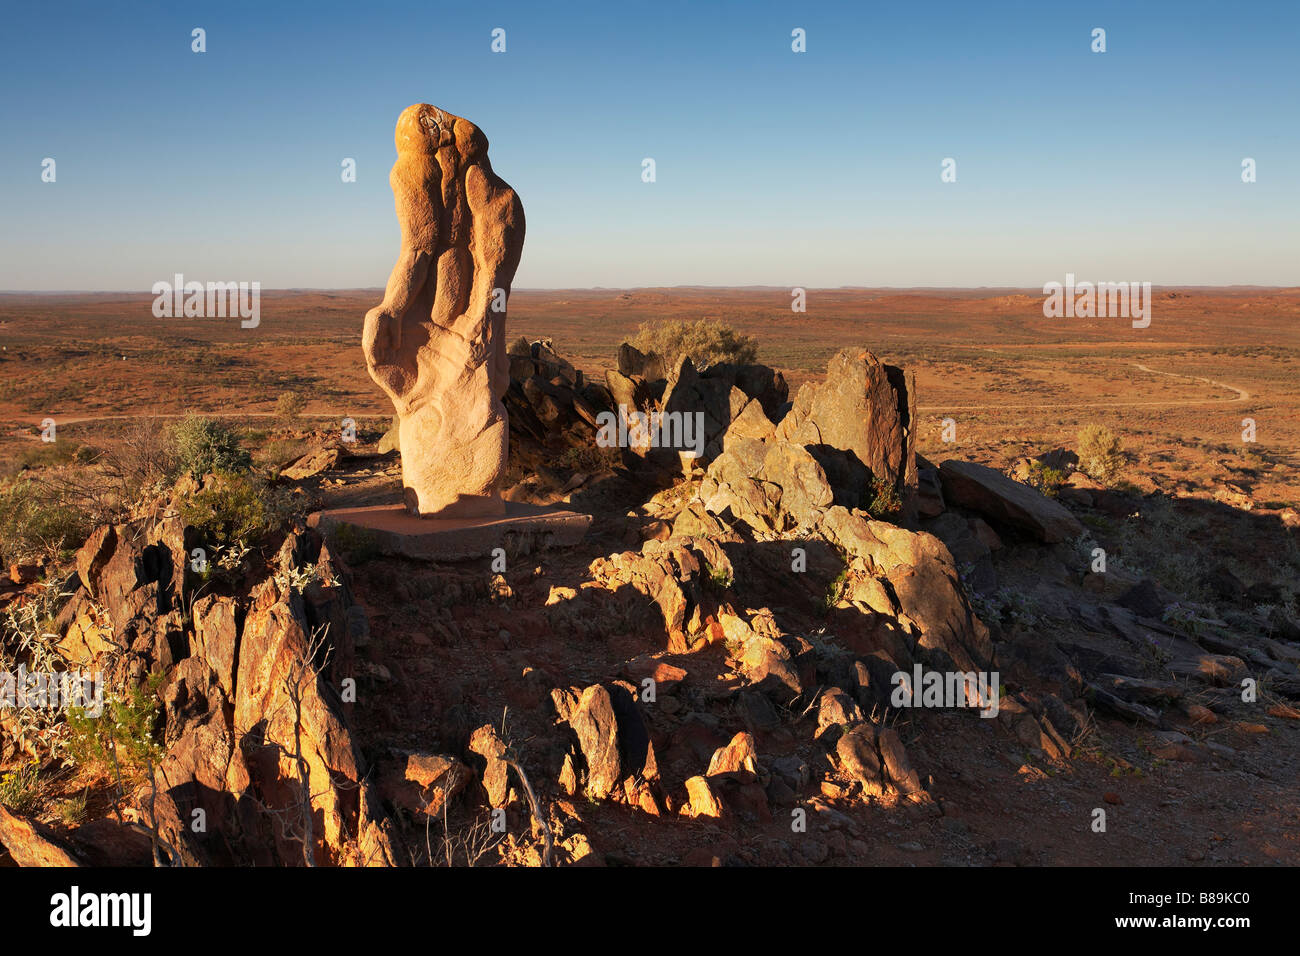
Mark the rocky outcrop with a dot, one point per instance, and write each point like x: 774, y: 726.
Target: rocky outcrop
x: 848, y: 441
x: 716, y: 394
x: 254, y: 724
x: 859, y: 423
x: 31, y: 844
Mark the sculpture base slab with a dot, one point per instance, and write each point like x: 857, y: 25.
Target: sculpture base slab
x: 392, y: 530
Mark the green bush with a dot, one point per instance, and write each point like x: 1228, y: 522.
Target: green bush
x: 231, y: 507
x: 706, y: 341
x: 204, y: 446
x: 35, y: 520
x: 1099, y: 453
x: 123, y: 736
x: 1046, y: 479
x: 885, y: 502
x: 835, y: 590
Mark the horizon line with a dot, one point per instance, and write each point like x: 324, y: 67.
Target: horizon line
x: 652, y: 288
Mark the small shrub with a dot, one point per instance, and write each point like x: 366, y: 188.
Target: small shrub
x: 1008, y: 607
x: 885, y: 501
x: 144, y: 453
x: 280, y: 452
x: 22, y: 790
x: 289, y: 406
x: 588, y: 458
x: 231, y: 508
x: 123, y: 737
x: 204, y: 446
x: 720, y: 578
x: 706, y: 341
x: 47, y: 455
x: 1099, y: 452
x: 836, y: 590
x: 72, y: 810
x: 34, y: 521
x: 1046, y: 479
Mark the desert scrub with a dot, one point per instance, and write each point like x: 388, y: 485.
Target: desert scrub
x: 280, y: 452
x: 720, y: 579
x: 706, y: 341
x: 1192, y: 618
x: 835, y: 591
x: 289, y: 407
x: 121, y: 740
x: 21, y: 789
x: 883, y: 499
x: 232, y: 508
x: 588, y: 458
x: 1100, y: 455
x: 1008, y: 607
x: 1046, y: 479
x: 36, y: 520
x: 72, y: 810
x: 204, y: 445
x: 29, y: 639
x: 1162, y: 542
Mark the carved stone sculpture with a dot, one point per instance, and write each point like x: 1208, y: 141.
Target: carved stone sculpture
x: 437, y: 343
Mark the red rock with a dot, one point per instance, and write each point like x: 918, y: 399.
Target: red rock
x: 702, y: 801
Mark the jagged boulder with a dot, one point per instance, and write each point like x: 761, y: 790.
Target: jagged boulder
x: 859, y: 421
x: 612, y: 738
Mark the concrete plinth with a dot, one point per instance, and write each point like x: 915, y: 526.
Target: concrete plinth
x: 392, y: 530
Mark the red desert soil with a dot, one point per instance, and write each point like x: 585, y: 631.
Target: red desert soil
x: 1015, y: 384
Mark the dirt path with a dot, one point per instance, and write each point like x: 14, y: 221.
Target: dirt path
x: 1240, y: 396
x: 84, y: 419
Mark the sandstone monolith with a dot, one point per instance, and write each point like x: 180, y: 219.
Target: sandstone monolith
x: 436, y: 344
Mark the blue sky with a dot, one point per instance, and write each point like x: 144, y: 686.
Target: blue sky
x: 773, y: 168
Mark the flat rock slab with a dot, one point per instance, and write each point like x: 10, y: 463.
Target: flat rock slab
x: 392, y: 530
x: 1005, y: 500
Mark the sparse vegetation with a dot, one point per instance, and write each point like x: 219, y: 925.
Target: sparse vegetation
x: 885, y: 501
x: 122, y: 740
x: 29, y: 638
x: 72, y: 810
x: 835, y: 591
x: 1100, y: 454
x: 720, y: 578
x: 1046, y: 479
x: 231, y: 508
x: 1008, y: 607
x: 21, y: 789
x: 289, y: 407
x: 591, y: 459
x: 204, y: 445
x: 706, y: 341
x: 34, y: 522
x: 1143, y: 546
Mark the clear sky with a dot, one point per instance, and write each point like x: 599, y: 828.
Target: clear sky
x: 773, y: 167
